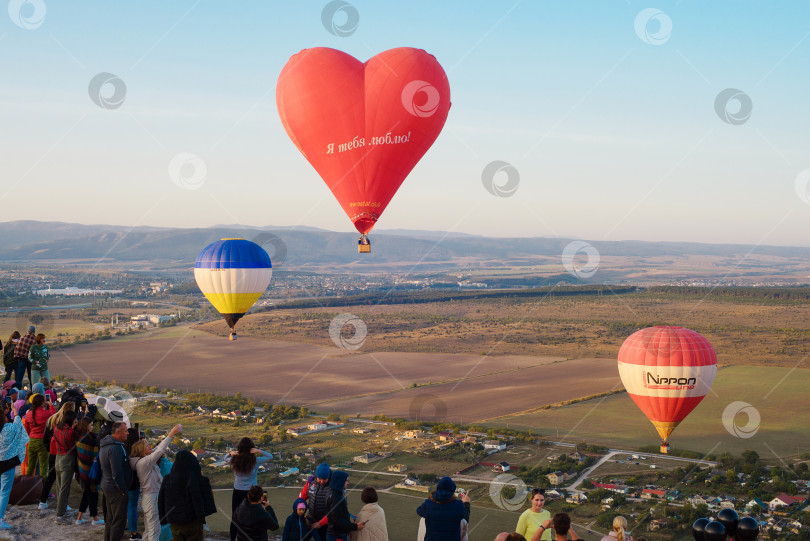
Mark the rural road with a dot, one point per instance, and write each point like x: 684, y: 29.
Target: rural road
x: 611, y: 452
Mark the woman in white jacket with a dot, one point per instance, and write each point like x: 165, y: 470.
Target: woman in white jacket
x: 374, y: 516
x: 144, y: 461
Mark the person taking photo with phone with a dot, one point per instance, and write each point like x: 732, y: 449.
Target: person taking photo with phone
x: 254, y: 516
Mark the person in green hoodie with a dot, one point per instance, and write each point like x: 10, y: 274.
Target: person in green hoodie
x: 38, y: 357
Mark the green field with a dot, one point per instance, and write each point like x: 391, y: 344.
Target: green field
x: 400, y: 514
x: 50, y: 327
x: 779, y: 394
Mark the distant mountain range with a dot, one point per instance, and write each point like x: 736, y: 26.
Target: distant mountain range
x: 311, y: 248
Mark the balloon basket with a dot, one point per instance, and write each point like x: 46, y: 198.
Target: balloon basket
x: 232, y: 336
x: 363, y: 245
x: 664, y: 447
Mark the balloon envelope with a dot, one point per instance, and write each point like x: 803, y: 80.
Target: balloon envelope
x: 747, y: 529
x: 363, y: 126
x: 667, y: 371
x: 698, y: 528
x: 729, y: 518
x: 233, y: 274
x: 715, y: 531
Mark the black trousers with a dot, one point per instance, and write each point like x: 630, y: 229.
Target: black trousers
x: 47, y: 483
x: 115, y: 514
x: 238, y: 497
x: 89, y: 498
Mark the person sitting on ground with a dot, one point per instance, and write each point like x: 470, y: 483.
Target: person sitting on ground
x: 619, y: 530
x: 561, y: 524
x: 443, y: 512
x: 296, y: 527
x: 254, y: 516
x: 373, y: 516
x: 144, y: 460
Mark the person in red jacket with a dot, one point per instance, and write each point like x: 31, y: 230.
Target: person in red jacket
x: 63, y: 447
x: 34, y: 423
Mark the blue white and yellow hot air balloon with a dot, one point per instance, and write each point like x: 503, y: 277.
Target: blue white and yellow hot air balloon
x: 233, y: 274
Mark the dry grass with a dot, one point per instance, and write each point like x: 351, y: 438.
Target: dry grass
x: 561, y: 327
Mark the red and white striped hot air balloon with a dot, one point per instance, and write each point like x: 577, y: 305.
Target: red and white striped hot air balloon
x: 667, y: 371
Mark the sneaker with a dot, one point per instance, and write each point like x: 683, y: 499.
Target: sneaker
x: 60, y: 520
x: 5, y: 525
x: 80, y: 521
x: 42, y: 505
x: 99, y: 522
x: 135, y: 535
x: 69, y: 509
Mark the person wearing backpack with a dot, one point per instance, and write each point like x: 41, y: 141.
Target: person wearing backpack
x: 34, y: 422
x: 9, y: 362
x: 144, y: 461
x: 89, y: 478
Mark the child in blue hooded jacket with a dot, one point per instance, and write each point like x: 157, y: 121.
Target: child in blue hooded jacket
x: 295, y: 528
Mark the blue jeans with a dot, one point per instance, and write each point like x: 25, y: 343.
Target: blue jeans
x: 19, y: 373
x: 132, y: 509
x: 6, y: 480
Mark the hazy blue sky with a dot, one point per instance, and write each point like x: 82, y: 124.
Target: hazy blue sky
x: 611, y: 125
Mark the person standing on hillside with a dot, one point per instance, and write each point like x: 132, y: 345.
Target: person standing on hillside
x: 533, y: 518
x: 12, y: 451
x: 86, y: 453
x: 116, y: 476
x: 38, y: 358
x: 9, y: 362
x: 561, y: 525
x: 244, y: 462
x: 63, y: 447
x: 35, y: 420
x: 443, y: 512
x: 316, y: 493
x: 185, y: 498
x: 21, y: 356
x: 255, y: 516
x: 340, y: 522
x: 144, y: 461
x: 373, y: 516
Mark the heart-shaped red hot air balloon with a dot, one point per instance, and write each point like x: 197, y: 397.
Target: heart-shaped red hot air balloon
x: 363, y: 126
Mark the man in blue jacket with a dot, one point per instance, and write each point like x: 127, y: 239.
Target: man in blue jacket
x: 116, y: 476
